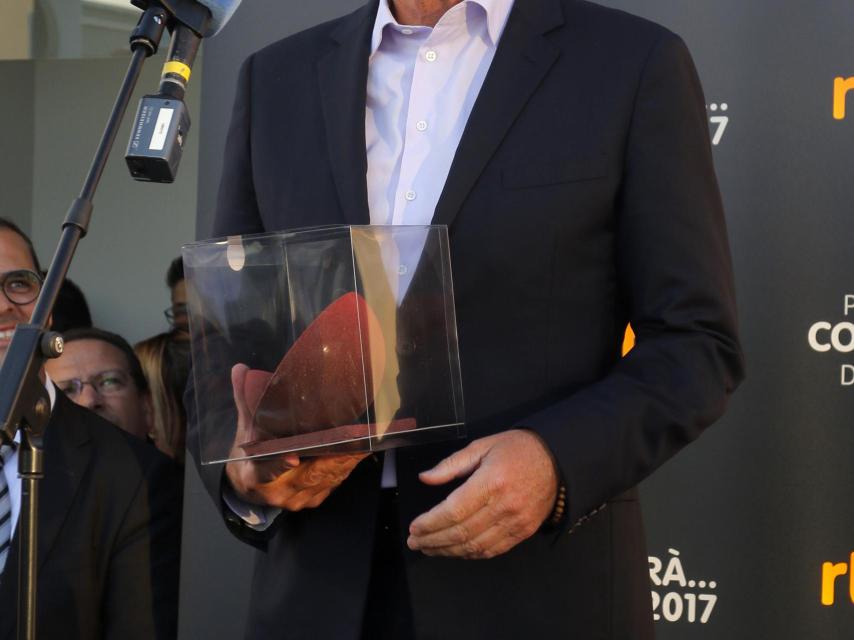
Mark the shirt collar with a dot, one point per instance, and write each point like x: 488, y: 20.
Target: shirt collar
x: 384, y: 17
x: 497, y: 12
x: 51, y: 390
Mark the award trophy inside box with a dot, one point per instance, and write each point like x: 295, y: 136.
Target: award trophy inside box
x: 325, y: 340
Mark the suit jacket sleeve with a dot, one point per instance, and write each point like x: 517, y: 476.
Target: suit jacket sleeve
x: 213, y: 475
x: 237, y: 207
x: 674, y: 269
x: 141, y: 591
x: 237, y: 213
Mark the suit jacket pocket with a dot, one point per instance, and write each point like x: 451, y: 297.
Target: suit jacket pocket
x: 537, y: 174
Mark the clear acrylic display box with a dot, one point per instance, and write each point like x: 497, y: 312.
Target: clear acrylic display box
x: 325, y: 340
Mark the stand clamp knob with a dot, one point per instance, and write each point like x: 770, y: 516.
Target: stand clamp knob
x: 52, y: 344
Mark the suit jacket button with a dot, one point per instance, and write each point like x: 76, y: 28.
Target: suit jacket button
x: 406, y: 348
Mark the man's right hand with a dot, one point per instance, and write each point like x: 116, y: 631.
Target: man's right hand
x: 285, y: 481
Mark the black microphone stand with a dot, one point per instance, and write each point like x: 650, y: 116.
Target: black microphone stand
x: 24, y: 401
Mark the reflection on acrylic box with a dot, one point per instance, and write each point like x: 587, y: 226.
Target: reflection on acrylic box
x: 324, y: 340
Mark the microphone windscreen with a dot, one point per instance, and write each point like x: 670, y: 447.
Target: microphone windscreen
x: 326, y: 378
x: 221, y: 12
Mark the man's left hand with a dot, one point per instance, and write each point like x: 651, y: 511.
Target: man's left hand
x: 510, y: 491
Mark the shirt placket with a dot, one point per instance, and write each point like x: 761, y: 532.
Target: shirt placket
x: 416, y: 196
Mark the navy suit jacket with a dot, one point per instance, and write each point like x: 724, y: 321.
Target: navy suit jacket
x: 582, y: 197
x: 109, y: 536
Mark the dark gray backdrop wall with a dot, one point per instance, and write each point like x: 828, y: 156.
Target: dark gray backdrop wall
x: 751, y: 530
x: 765, y: 498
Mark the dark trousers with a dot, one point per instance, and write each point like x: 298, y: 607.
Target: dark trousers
x: 388, y: 612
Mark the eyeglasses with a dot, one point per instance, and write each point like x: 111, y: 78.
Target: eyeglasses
x: 106, y: 383
x: 21, y: 286
x: 176, y: 313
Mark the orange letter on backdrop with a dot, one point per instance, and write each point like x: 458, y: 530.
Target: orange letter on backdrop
x: 841, y: 87
x: 628, y: 340
x: 851, y: 580
x: 829, y: 573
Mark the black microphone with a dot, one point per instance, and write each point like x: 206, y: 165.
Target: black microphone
x: 179, y: 62
x: 162, y: 120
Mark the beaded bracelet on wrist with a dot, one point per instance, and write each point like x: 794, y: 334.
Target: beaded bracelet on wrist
x: 560, y: 506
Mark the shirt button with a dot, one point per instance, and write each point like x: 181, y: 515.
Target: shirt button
x: 409, y: 195
x: 431, y: 56
x: 421, y: 125
x: 406, y: 32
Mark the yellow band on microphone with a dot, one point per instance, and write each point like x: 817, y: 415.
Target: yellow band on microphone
x: 178, y: 68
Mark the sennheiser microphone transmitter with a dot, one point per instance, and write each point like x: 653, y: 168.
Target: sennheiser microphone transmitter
x: 157, y: 138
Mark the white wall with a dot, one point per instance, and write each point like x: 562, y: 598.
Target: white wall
x: 137, y: 228
x: 16, y: 141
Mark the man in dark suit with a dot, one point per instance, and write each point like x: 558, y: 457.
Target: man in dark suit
x: 109, y: 513
x: 580, y: 196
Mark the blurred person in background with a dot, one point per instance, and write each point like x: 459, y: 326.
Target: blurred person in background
x: 100, y: 371
x: 165, y: 360
x: 177, y: 348
x: 166, y: 382
x: 176, y: 314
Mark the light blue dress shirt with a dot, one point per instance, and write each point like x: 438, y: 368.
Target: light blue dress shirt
x: 422, y: 86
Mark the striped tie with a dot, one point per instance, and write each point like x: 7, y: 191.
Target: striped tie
x: 5, y: 509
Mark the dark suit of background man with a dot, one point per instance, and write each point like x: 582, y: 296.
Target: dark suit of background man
x: 581, y: 197
x: 109, y: 514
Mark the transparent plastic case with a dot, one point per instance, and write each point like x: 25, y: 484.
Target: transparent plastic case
x: 323, y: 340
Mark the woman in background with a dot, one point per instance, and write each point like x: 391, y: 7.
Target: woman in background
x: 164, y: 361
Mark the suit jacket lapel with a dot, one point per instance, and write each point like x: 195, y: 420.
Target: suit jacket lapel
x: 521, y: 62
x: 66, y: 458
x: 343, y: 74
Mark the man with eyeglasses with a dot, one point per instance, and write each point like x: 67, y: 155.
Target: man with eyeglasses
x: 109, y: 512
x: 20, y: 287
x: 178, y: 342
x: 99, y: 370
x: 176, y: 313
